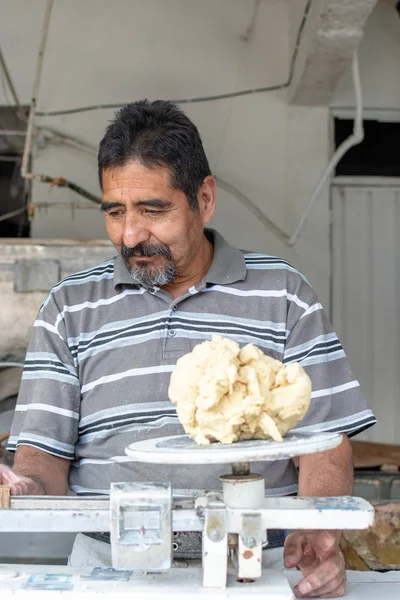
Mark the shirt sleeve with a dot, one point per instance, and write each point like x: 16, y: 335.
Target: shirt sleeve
x: 337, y: 403
x: 47, y: 411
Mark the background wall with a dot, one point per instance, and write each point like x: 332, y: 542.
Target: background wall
x: 102, y: 52
x: 270, y: 150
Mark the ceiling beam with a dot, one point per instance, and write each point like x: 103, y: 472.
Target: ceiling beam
x: 334, y: 33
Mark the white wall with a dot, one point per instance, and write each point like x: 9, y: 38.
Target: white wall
x: 102, y: 52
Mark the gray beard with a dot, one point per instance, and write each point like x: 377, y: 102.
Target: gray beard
x: 150, y: 277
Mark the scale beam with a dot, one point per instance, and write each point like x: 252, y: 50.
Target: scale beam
x: 69, y: 514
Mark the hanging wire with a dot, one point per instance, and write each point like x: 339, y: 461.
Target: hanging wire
x: 199, y: 99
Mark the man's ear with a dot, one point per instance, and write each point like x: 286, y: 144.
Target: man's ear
x: 207, y: 198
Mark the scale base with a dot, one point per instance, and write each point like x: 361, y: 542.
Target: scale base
x: 176, y: 583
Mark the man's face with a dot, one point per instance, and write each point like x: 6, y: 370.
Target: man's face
x: 151, y: 223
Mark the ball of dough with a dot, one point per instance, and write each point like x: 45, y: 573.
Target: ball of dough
x: 226, y: 393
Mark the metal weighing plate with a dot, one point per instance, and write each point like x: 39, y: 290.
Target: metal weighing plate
x: 182, y: 450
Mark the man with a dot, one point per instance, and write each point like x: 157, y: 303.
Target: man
x: 106, y: 340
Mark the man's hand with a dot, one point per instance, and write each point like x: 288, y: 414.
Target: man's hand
x: 321, y: 561
x: 19, y: 484
x: 317, y: 553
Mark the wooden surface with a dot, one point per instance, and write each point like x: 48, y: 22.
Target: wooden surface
x: 4, y: 497
x: 370, y: 454
x: 378, y: 547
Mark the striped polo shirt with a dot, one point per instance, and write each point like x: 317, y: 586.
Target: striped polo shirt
x: 98, y: 366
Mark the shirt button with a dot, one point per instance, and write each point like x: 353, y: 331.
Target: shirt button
x: 172, y: 332
x: 175, y: 307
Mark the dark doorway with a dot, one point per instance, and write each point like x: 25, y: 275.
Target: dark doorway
x: 378, y: 155
x: 13, y: 198
x: 14, y: 190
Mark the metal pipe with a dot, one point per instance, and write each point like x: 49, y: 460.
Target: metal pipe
x: 57, y: 137
x: 8, y: 158
x: 13, y: 213
x: 12, y: 132
x: 6, y: 364
x: 354, y: 139
x: 64, y: 206
x: 58, y: 181
x: 212, y: 98
x: 240, y: 468
x: 13, y: 91
x: 38, y: 73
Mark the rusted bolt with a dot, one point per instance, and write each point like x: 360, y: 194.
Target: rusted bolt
x: 247, y: 554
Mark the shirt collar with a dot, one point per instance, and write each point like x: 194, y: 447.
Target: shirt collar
x: 228, y: 265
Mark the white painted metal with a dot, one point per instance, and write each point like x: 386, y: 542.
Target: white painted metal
x: 347, y: 182
x: 141, y: 526
x: 366, y: 293
x: 341, y: 512
x: 250, y: 546
x: 215, y: 547
x: 183, y: 450
x: 47, y: 520
x: 243, y: 492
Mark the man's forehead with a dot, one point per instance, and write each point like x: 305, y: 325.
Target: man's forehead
x: 136, y: 175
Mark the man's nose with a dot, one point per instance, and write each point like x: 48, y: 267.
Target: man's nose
x: 134, y: 232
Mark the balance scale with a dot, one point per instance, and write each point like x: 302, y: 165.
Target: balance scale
x: 143, y: 519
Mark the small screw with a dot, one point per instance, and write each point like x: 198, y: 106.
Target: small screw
x: 214, y: 535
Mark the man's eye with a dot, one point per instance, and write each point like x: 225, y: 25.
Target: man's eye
x: 115, y: 213
x: 148, y: 211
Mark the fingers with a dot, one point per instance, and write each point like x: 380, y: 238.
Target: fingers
x: 327, y: 579
x: 6, y: 475
x: 293, y: 549
x: 19, y: 485
x: 10, y: 479
x: 19, y: 489
x: 338, y: 593
x: 325, y: 541
x: 331, y: 590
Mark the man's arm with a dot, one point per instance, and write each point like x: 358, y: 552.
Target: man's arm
x: 36, y: 473
x: 317, y: 553
x: 328, y: 473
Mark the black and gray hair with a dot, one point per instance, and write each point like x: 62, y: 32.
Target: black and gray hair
x: 156, y: 134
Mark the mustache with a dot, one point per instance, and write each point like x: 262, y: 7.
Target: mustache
x: 145, y: 251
